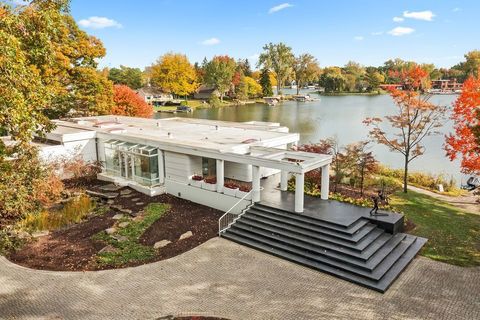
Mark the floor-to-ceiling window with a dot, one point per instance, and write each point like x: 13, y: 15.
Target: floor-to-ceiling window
x: 132, y: 161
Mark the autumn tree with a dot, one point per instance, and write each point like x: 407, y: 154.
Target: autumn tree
x: 131, y: 77
x: 265, y: 83
x: 465, y: 141
x: 415, y: 119
x: 305, y: 69
x: 362, y: 163
x: 332, y: 79
x: 249, y: 88
x: 174, y: 74
x: 374, y: 79
x: 279, y: 59
x: 219, y: 73
x: 128, y: 103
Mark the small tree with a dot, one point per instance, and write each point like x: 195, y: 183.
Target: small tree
x: 415, y: 119
x: 466, y: 117
x: 128, y: 103
x: 265, y: 83
x: 174, y: 74
x: 363, y: 163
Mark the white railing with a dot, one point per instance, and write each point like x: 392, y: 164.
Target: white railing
x: 229, y: 218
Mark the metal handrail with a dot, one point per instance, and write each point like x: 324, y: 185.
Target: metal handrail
x: 227, y: 219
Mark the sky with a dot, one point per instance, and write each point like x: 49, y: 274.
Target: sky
x: 136, y: 33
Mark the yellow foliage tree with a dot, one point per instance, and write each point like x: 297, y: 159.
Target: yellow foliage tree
x: 254, y: 89
x: 174, y: 74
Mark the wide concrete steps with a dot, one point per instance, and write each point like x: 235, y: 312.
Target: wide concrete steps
x: 361, y: 252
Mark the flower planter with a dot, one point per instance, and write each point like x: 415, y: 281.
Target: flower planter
x: 240, y: 194
x: 209, y: 186
x: 196, y: 183
x: 230, y: 192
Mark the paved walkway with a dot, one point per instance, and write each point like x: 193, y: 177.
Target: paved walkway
x: 466, y: 202
x: 221, y: 278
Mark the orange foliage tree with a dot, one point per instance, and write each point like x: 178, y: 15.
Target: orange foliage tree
x: 128, y: 103
x: 415, y: 119
x: 466, y: 117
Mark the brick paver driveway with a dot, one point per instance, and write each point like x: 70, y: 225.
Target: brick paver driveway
x: 224, y: 279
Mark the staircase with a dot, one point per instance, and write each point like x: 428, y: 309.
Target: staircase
x: 361, y: 252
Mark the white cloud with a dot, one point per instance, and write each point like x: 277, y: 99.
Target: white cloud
x: 419, y: 15
x: 377, y: 33
x: 456, y: 9
x: 210, y: 42
x: 401, y: 31
x: 358, y: 38
x: 398, y: 19
x: 280, y: 7
x: 99, y: 23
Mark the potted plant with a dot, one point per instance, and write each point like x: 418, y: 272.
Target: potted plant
x: 230, y: 188
x: 243, y: 189
x: 210, y: 183
x: 196, y: 181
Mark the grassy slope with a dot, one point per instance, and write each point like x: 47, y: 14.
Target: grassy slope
x: 453, y: 235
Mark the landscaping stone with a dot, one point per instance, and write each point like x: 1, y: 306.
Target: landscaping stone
x: 126, y: 195
x: 120, y: 238
x: 110, y: 187
x: 111, y: 230
x: 39, y: 234
x: 123, y: 224
x: 139, y: 203
x: 106, y: 195
x: 121, y: 209
x: 108, y: 249
x: 161, y: 244
x: 186, y: 235
x: 110, y: 201
x: 23, y: 235
x: 126, y: 192
x: 118, y: 216
x: 136, y: 199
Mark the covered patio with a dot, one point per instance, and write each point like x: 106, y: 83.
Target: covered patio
x: 295, y: 163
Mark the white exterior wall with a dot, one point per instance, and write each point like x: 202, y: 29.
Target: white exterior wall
x: 207, y: 198
x: 238, y: 171
x: 179, y: 167
x: 87, y: 148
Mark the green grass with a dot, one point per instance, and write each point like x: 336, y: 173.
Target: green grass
x: 453, y: 234
x: 131, y: 250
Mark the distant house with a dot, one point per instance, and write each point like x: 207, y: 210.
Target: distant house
x: 153, y: 95
x: 447, y: 85
x: 204, y: 93
x: 390, y: 86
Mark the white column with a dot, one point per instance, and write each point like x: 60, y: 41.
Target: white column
x: 161, y: 167
x: 256, y: 183
x: 283, y: 180
x: 299, y: 191
x: 325, y: 182
x: 220, y: 175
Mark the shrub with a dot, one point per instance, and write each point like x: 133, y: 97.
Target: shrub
x: 230, y: 185
x: 196, y: 177
x: 26, y: 183
x: 214, y: 101
x: 78, y: 168
x: 244, y: 187
x: 211, y: 180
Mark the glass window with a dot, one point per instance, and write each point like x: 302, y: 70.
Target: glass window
x: 209, y: 167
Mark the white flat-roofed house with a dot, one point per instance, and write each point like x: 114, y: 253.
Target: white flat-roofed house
x: 156, y: 156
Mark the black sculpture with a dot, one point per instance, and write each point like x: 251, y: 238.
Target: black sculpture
x: 380, y: 197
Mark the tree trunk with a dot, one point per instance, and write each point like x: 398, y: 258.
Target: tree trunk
x: 298, y: 88
x: 405, y: 175
x: 278, y: 87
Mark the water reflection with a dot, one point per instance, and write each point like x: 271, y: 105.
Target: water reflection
x: 342, y: 117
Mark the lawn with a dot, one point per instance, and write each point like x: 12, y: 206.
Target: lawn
x: 453, y: 234
x: 130, y: 249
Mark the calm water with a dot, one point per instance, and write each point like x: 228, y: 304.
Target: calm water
x: 342, y: 117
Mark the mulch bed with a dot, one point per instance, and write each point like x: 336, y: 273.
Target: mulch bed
x: 72, y: 249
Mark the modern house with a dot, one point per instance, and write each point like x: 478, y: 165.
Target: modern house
x: 193, y: 158
x: 177, y: 155
x: 204, y: 93
x: 154, y: 96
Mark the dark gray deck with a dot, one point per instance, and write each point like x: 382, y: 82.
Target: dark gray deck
x: 343, y: 214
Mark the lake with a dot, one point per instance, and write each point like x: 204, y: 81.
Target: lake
x: 341, y: 116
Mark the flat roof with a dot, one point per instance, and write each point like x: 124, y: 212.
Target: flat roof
x: 222, y: 136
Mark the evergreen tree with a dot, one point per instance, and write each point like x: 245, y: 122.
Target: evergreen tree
x: 265, y: 83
